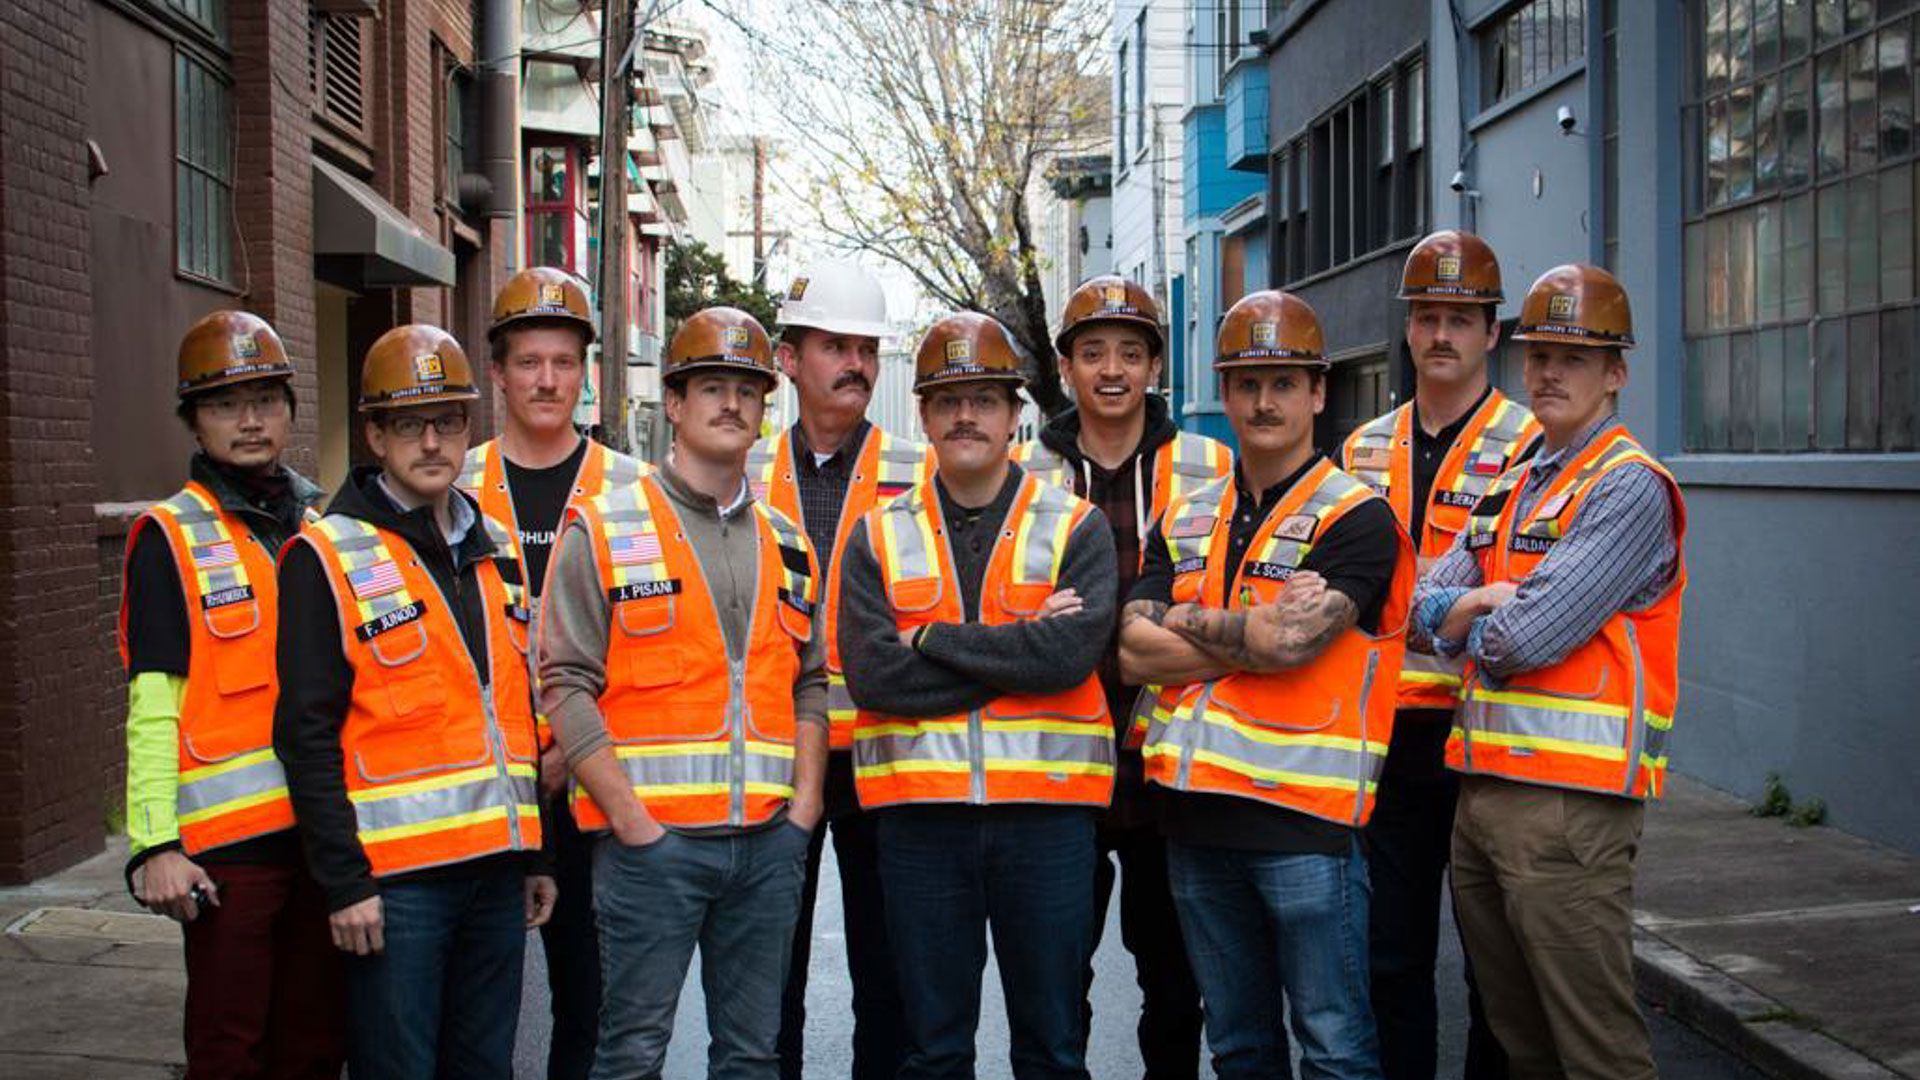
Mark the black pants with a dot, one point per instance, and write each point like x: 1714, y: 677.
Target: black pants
x: 878, y: 1026
x: 1407, y: 844
x: 573, y: 951
x: 1170, y: 1020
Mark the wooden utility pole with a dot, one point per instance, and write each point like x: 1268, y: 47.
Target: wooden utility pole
x: 759, y: 211
x: 616, y: 54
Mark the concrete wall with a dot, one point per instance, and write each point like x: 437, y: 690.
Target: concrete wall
x: 1325, y: 51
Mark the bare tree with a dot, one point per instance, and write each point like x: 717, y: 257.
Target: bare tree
x: 922, y: 125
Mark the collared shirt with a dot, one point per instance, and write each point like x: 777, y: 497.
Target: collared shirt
x: 1619, y: 555
x: 460, y: 513
x: 823, y: 487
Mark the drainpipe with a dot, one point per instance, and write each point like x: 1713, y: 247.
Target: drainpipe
x: 500, y: 112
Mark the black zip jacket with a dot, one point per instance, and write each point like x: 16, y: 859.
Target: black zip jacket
x: 316, y: 683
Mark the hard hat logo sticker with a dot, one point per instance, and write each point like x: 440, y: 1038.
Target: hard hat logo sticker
x: 1562, y: 306
x: 1114, y: 297
x: 1447, y: 268
x: 798, y: 290
x: 245, y: 348
x: 737, y: 337
x: 427, y: 367
x: 553, y: 296
x: 1266, y: 335
x: 959, y: 352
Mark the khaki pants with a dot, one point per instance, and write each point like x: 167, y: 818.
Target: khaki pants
x: 1543, y: 892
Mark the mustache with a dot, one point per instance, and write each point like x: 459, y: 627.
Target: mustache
x: 958, y: 434
x: 852, y: 378
x: 728, y: 419
x: 1267, y: 420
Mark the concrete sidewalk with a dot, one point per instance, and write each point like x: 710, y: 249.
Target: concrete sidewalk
x: 1798, y: 949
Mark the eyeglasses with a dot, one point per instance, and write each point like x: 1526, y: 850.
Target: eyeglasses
x: 979, y: 402
x: 413, y: 427
x: 266, y: 404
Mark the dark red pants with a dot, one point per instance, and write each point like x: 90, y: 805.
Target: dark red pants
x: 265, y: 996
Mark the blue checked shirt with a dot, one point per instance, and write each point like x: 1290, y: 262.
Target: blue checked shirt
x: 1619, y: 555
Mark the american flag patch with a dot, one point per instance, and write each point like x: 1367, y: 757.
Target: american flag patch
x: 377, y: 580
x: 635, y: 550
x: 1485, y: 463
x: 217, y: 554
x: 1187, y: 528
x: 1372, y: 457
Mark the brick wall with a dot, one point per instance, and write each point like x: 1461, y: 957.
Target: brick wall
x: 50, y: 758
x: 110, y: 531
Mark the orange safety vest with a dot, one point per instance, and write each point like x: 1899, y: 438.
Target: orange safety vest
x: 1055, y: 749
x: 706, y: 739
x: 231, y: 786
x: 1312, y: 738
x: 1380, y: 454
x: 483, y: 475
x: 1180, y: 465
x: 439, y: 768
x: 1598, y: 720
x: 886, y: 466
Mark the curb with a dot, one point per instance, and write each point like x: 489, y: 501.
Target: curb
x: 1757, y: 1028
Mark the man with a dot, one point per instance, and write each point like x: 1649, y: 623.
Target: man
x: 973, y: 610
x: 405, y: 722
x: 825, y: 472
x: 1271, y: 605
x: 524, y: 481
x: 1431, y: 459
x: 1118, y: 448
x: 682, y: 673
x: 209, y: 823
x: 1563, y: 596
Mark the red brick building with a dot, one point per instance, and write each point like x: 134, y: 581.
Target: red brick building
x: 316, y: 161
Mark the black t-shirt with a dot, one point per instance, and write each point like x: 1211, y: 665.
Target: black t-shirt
x: 1356, y: 556
x: 1428, y: 452
x: 539, y: 502
x: 157, y: 635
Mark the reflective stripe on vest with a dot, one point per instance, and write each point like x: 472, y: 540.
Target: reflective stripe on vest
x: 1312, y: 738
x: 1380, y: 454
x: 1052, y: 749
x: 884, y: 467
x: 439, y: 768
x: 483, y: 475
x: 1598, y: 720
x: 705, y: 739
x: 230, y: 785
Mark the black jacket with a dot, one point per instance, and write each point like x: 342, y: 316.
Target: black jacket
x: 1062, y: 435
x: 316, y: 681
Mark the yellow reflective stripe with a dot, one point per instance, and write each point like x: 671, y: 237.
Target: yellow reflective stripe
x: 917, y: 765
x: 710, y: 748
x: 244, y: 802
x: 1549, y: 744
x: 1291, y: 738
x: 1549, y: 702
x: 1655, y: 720
x: 1431, y: 678
x: 1278, y: 776
x: 477, y: 774
x: 423, y: 828
x: 208, y: 772
x: 959, y: 727
x: 670, y: 791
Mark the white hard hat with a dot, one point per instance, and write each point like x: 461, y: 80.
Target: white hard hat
x: 838, y: 297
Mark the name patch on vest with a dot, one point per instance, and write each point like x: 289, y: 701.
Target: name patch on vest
x: 1532, y: 545
x: 641, y: 590
x: 1478, y: 540
x: 1190, y: 566
x: 239, y: 594
x: 1269, y: 571
x: 798, y: 603
x: 1456, y: 498
x: 399, y: 616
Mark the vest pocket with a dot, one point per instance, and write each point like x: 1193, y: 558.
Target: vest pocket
x: 412, y: 734
x: 915, y: 595
x: 1265, y: 717
x: 1024, y: 600
x: 239, y: 719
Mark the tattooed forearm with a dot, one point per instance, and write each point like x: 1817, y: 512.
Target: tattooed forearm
x: 1153, y: 611
x: 1284, y: 634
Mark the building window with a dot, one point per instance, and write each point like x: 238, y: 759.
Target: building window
x: 1140, y: 81
x: 1800, y: 240
x: 461, y: 136
x: 203, y: 171
x: 209, y: 16
x: 557, y: 228
x: 1228, y: 26
x: 1120, y: 106
x: 1530, y: 45
x: 1354, y: 181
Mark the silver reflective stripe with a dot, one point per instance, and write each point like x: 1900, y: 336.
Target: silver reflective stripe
x: 708, y: 765
x: 911, y: 557
x: 1637, y: 731
x: 1040, y: 461
x: 357, y: 546
x: 1428, y: 664
x: 1047, y: 513
x: 376, y: 811
x: 1338, y: 765
x: 1203, y: 503
x: 202, y: 525
x: 839, y: 699
x: 997, y: 744
x: 618, y: 469
x: 1482, y: 716
x: 198, y: 796
x: 473, y: 469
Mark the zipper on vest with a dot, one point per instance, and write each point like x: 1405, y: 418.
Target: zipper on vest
x: 1463, y: 716
x: 1183, y: 779
x: 495, y: 738
x: 737, y: 749
x: 1637, y: 717
x: 1366, y: 755
x: 976, y: 758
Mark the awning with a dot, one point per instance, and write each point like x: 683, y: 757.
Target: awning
x: 361, y: 239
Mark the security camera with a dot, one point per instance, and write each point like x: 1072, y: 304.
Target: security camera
x: 1567, y: 119
x: 1459, y: 181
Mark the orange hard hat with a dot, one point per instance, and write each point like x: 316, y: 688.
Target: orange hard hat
x: 229, y: 347
x: 720, y: 339
x: 966, y: 347
x: 1110, y: 298
x: 1577, y: 304
x: 542, y: 292
x: 415, y: 365
x: 1270, y: 327
x: 1452, y: 266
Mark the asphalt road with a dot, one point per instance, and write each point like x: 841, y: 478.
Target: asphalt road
x: 1680, y: 1052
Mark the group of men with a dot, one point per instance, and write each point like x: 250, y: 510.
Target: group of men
x: 535, y: 683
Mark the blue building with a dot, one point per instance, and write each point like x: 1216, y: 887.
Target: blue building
x: 1224, y: 225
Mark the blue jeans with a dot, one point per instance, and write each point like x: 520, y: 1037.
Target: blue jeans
x: 443, y: 1000
x: 1258, y: 924
x: 947, y: 874
x: 736, y: 897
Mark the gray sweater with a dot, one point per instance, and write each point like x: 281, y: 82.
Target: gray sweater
x: 958, y: 667
x: 576, y: 616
